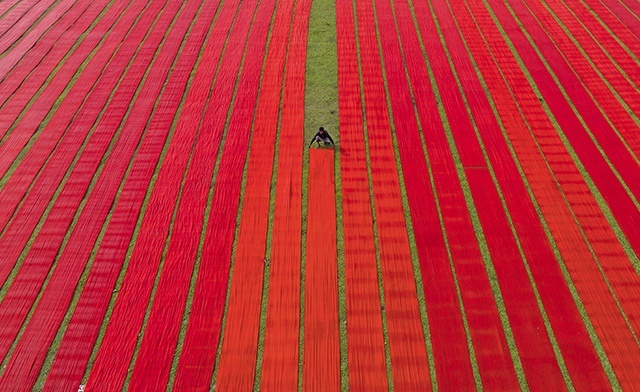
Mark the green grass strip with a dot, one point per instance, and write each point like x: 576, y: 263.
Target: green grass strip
x: 321, y: 109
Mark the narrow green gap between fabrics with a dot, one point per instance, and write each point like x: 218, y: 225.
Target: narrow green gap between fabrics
x: 80, y: 287
x: 77, y: 214
x: 14, y: 165
x: 321, y: 109
x: 124, y: 269
x: 473, y: 214
x: 592, y: 187
x: 33, y: 26
x: 589, y: 326
x: 545, y: 318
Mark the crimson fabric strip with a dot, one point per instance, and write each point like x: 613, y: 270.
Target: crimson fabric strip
x: 573, y: 340
x: 363, y: 307
x: 75, y: 348
x: 34, y: 117
x: 25, y: 21
x: 409, y: 362
x: 43, y: 251
x: 33, y: 206
x: 282, y: 328
x: 52, y: 307
x: 608, y: 323
x: 69, y: 128
x: 163, y: 327
x: 589, y: 372
x: 538, y: 360
x: 48, y: 52
x: 114, y: 356
x: 365, y: 345
x: 321, y: 369
x: 489, y: 342
x: 45, y: 38
x: 605, y: 62
x: 590, y: 152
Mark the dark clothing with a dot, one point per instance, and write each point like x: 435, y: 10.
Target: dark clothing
x: 322, y: 136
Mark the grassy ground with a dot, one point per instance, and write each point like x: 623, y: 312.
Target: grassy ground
x: 321, y: 109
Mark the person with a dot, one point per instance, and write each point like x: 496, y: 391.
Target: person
x: 322, y: 137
